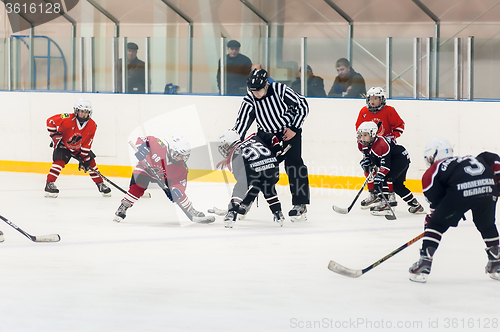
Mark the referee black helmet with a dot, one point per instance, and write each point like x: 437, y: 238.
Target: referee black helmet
x: 257, y: 80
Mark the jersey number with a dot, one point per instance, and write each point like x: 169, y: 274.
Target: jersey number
x: 475, y: 168
x: 254, y: 151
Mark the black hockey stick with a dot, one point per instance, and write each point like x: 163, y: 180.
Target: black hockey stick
x: 337, y: 268
x: 163, y: 185
x: 40, y: 238
x: 346, y: 211
x: 392, y: 216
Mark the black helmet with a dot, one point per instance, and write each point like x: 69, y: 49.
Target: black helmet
x: 257, y: 80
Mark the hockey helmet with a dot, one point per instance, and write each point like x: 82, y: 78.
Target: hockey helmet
x: 375, y: 92
x: 227, y: 140
x: 437, y: 149
x: 179, y: 149
x: 369, y: 127
x: 82, y: 105
x: 257, y: 80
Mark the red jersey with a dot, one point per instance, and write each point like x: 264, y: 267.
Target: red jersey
x: 157, y: 158
x: 392, y: 124
x: 76, y: 138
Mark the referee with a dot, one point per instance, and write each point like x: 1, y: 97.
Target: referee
x: 280, y: 111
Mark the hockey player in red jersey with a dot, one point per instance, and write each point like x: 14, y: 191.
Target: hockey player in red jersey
x: 72, y: 137
x: 392, y: 162
x: 453, y: 186
x: 256, y: 168
x: 168, y: 159
x: 390, y: 125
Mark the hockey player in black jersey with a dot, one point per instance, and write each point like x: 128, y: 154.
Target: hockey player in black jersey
x: 453, y: 186
x: 256, y: 168
x: 391, y: 161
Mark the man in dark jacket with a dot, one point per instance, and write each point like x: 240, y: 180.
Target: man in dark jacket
x: 135, y: 71
x: 348, y: 83
x: 238, y: 67
x: 315, y: 84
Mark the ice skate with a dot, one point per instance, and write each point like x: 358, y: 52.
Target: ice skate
x: 51, y: 190
x: 380, y: 210
x: 230, y: 219
x: 493, y: 266
x: 279, y: 217
x: 415, y: 207
x: 420, y: 270
x: 247, y: 208
x: 121, y: 213
x: 198, y: 216
x: 298, y: 213
x: 370, y: 200
x: 392, y: 199
x: 104, y: 189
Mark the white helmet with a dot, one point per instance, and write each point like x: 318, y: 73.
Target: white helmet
x: 375, y: 92
x: 227, y: 140
x: 369, y: 127
x: 84, y: 105
x: 437, y: 149
x: 179, y: 149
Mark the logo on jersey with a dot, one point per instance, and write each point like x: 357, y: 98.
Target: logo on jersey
x: 64, y: 115
x: 160, y: 142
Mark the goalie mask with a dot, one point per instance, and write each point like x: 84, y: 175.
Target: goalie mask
x: 370, y: 128
x: 179, y: 149
x: 437, y: 149
x: 227, y: 141
x: 376, y: 104
x: 82, y: 105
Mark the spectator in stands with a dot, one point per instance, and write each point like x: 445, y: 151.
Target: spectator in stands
x: 315, y: 84
x: 136, y: 72
x: 348, y: 83
x: 238, y: 66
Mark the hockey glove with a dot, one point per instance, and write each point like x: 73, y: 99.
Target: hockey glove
x: 56, y: 138
x: 84, y: 166
x: 142, y: 151
x: 366, y: 164
x: 378, y: 182
x: 176, y: 194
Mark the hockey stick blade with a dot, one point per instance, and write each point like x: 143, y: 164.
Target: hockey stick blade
x: 340, y: 210
x: 342, y: 270
x: 41, y: 238
x: 337, y: 268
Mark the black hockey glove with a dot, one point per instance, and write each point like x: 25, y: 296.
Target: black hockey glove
x: 366, y: 165
x: 84, y: 165
x: 378, y: 183
x: 142, y: 151
x: 56, y: 138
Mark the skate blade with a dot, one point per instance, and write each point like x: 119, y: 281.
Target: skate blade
x: 421, y: 277
x: 106, y: 195
x: 495, y: 276
x: 51, y: 195
x: 302, y: 217
x: 228, y: 224
x: 117, y: 219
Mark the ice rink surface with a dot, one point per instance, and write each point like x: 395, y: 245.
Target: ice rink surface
x: 158, y: 272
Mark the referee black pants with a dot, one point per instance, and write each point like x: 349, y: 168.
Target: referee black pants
x: 298, y: 175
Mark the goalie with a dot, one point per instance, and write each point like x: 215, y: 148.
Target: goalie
x: 255, y: 168
x: 168, y: 160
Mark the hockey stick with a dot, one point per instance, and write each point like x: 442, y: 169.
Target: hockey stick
x: 393, y: 215
x: 337, y: 268
x: 167, y: 191
x: 40, y: 238
x: 146, y: 195
x: 346, y: 211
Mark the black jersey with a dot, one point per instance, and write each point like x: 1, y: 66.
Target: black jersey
x: 465, y: 177
x: 383, y: 153
x: 281, y: 108
x: 252, y: 156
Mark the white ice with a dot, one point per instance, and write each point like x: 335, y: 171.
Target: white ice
x: 154, y: 272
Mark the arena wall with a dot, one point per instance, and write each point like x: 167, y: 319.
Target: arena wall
x: 329, y: 138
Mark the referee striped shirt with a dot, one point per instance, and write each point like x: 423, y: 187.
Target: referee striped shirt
x: 281, y: 108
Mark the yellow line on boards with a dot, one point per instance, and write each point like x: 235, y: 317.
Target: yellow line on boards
x: 315, y: 181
